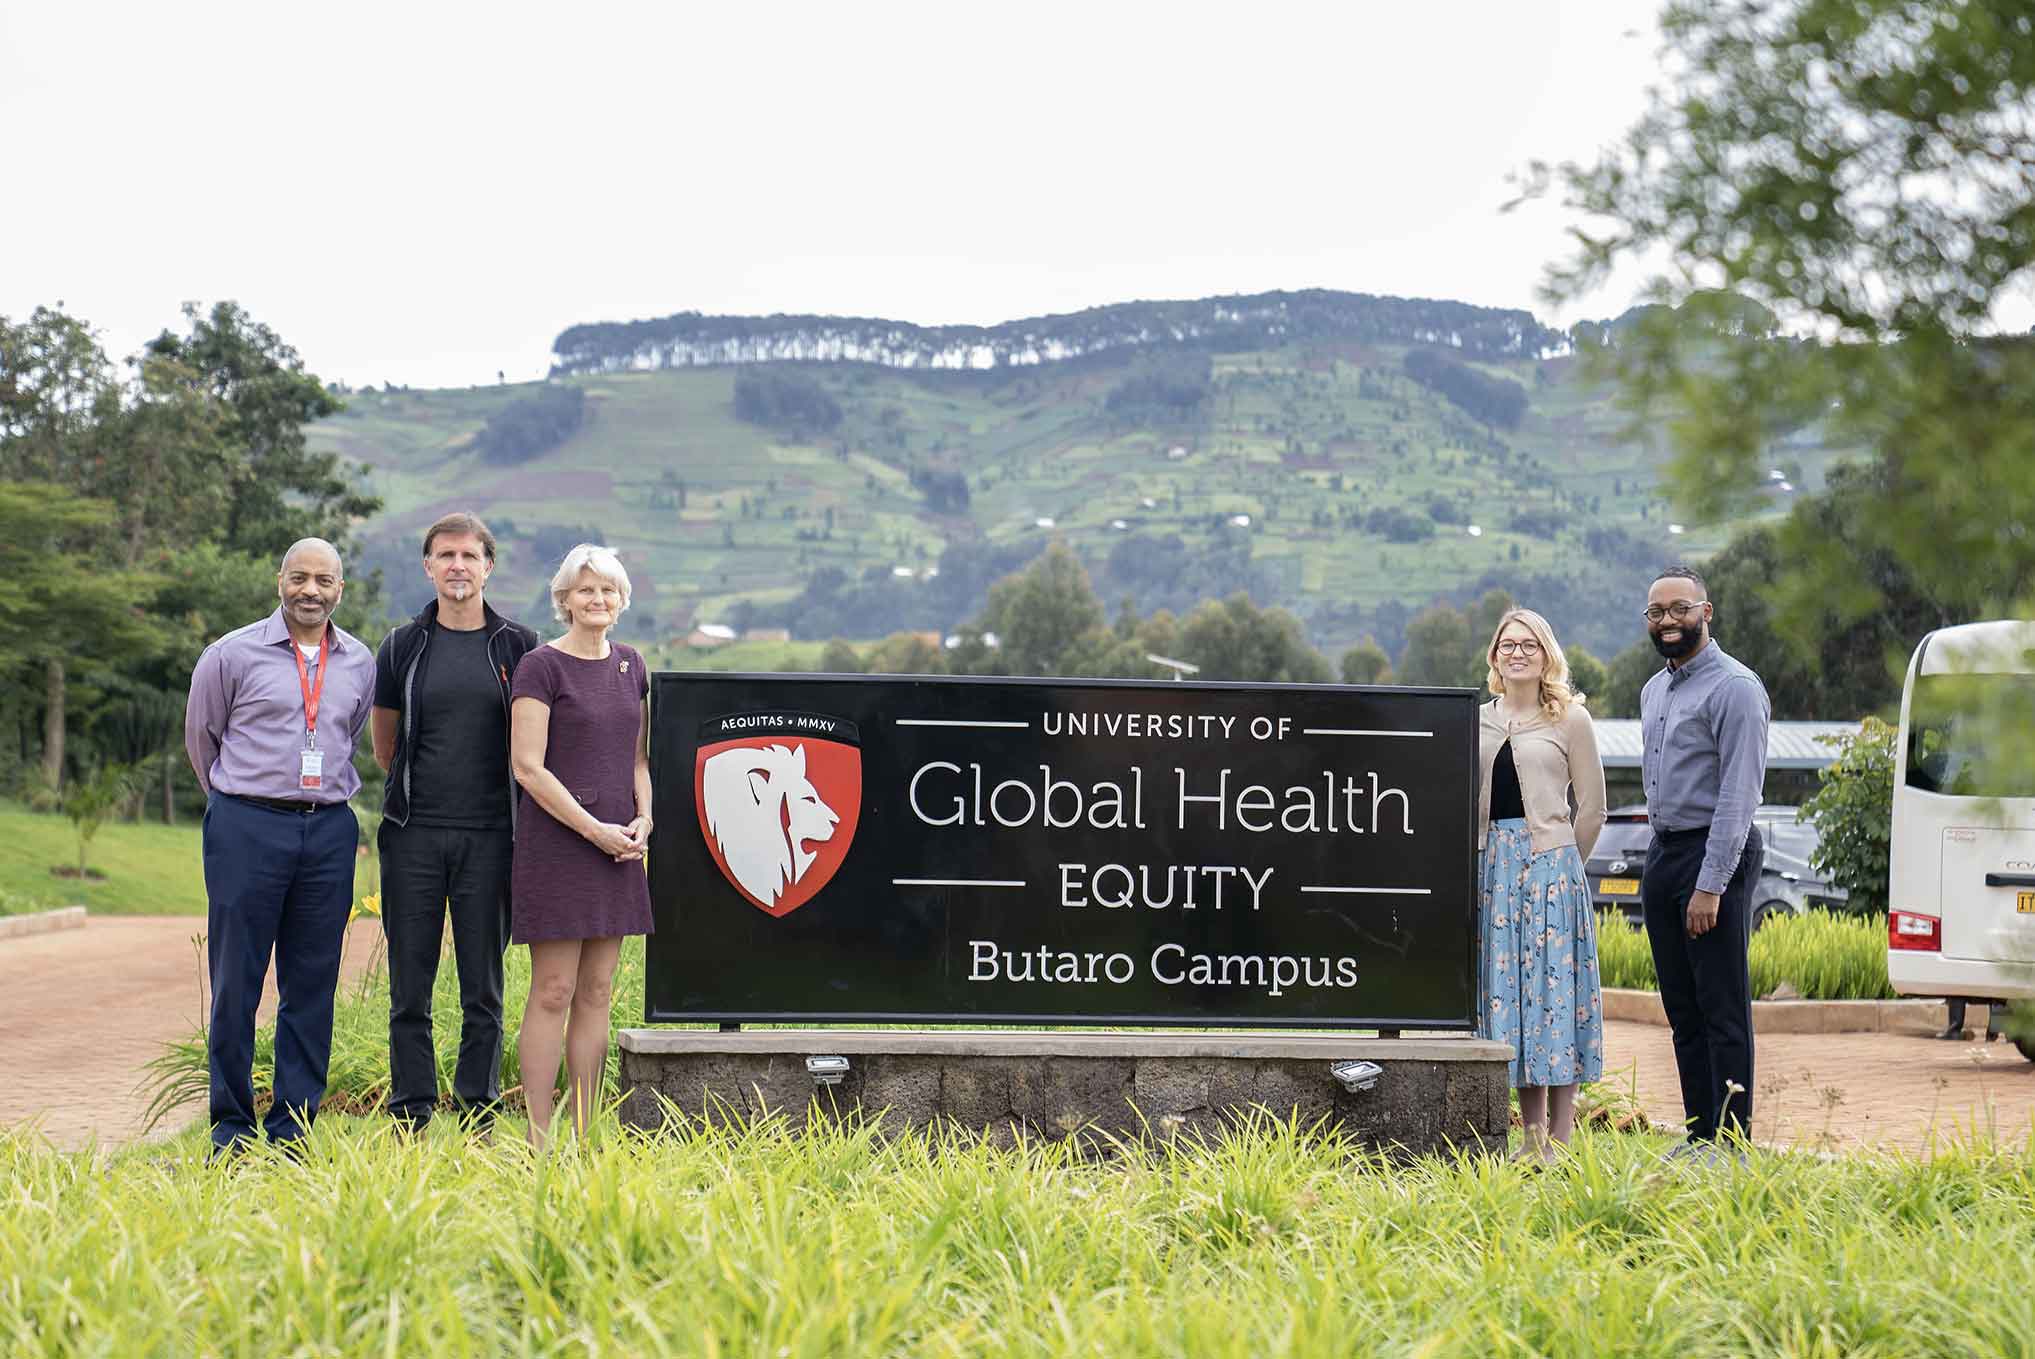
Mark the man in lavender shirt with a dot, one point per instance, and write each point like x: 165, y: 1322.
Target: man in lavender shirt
x: 275, y: 710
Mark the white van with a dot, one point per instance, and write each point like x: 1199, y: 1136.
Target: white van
x: 1962, y: 871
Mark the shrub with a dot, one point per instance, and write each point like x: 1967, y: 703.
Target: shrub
x: 1853, y: 812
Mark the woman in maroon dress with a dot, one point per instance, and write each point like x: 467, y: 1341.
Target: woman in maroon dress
x: 577, y: 723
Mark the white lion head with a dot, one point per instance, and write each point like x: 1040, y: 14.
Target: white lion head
x: 763, y: 810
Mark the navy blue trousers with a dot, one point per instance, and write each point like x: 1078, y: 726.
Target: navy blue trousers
x: 1706, y: 982
x: 279, y: 883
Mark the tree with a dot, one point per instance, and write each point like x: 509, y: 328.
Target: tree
x: 87, y: 802
x: 1624, y: 677
x: 1823, y: 662
x: 1861, y: 171
x: 1853, y: 811
x: 1236, y: 640
x: 203, y: 441
x: 162, y: 461
x: 55, y: 388
x: 60, y: 602
x: 281, y: 491
x: 56, y: 394
x: 1482, y: 620
x: 839, y: 657
x: 1587, y: 675
x: 1042, y: 616
x: 1366, y: 663
x: 906, y: 653
x: 1436, y: 641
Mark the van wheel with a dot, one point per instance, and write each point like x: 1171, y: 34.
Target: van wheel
x: 2027, y: 1046
x: 1768, y: 910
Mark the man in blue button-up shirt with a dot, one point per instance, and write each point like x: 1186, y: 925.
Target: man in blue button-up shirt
x: 1704, y: 723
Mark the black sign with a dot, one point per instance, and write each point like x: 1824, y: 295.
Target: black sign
x: 1082, y: 851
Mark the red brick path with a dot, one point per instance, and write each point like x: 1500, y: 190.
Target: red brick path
x: 83, y: 1011
x: 1846, y: 1091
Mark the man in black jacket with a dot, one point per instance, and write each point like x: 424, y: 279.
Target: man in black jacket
x: 441, y: 730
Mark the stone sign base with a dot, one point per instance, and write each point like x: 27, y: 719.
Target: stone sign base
x: 1434, y: 1093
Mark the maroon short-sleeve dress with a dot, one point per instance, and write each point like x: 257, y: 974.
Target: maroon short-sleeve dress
x: 560, y: 885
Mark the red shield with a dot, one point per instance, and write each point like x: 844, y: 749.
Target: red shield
x: 778, y: 811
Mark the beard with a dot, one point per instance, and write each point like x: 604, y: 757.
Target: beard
x: 1692, y: 638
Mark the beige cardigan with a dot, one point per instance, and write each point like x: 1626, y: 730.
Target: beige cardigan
x: 1551, y: 758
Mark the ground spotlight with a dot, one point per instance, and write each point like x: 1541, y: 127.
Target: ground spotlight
x: 1356, y: 1076
x: 826, y: 1070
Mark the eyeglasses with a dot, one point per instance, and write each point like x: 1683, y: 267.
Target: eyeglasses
x: 1510, y: 645
x: 1678, y: 610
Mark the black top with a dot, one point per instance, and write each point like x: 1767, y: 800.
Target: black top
x: 460, y: 766
x: 1505, y: 800
x: 402, y: 665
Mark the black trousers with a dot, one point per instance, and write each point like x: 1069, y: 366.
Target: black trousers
x: 425, y: 869
x: 1706, y: 987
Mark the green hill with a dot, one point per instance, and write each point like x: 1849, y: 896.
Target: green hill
x: 857, y: 498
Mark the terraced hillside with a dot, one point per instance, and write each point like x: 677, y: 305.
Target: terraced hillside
x: 1318, y: 475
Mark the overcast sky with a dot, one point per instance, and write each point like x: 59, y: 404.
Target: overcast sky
x: 428, y: 193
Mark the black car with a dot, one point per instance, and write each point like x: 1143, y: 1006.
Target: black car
x: 1788, y: 882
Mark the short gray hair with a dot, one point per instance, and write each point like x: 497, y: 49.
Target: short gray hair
x: 602, y: 561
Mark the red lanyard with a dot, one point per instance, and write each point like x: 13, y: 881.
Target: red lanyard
x: 312, y: 693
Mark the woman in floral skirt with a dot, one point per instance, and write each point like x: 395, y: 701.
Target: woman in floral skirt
x: 1541, y: 990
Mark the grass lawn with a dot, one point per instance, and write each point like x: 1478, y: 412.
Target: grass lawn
x: 1268, y: 1242
x: 150, y: 868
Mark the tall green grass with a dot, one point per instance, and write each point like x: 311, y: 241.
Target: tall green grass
x: 1271, y: 1241
x: 358, y: 1080
x: 1821, y: 955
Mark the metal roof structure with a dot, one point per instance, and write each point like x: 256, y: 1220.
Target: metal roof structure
x: 1789, y: 745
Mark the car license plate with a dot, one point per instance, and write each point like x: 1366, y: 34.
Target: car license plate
x: 2024, y: 902
x: 1629, y: 887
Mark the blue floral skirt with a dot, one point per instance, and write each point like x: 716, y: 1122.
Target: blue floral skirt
x: 1540, y: 984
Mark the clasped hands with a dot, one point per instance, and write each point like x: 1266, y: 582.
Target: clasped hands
x: 622, y: 843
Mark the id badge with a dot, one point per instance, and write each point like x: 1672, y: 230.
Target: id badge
x: 311, y: 774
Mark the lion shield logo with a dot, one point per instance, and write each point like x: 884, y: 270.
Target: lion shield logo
x: 779, y: 795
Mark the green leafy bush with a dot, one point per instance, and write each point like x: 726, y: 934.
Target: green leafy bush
x: 1853, y: 812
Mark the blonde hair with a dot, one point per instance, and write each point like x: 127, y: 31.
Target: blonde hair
x: 1555, y: 693
x: 602, y: 561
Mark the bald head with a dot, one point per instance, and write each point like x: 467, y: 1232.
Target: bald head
x: 322, y: 552
x: 309, y: 584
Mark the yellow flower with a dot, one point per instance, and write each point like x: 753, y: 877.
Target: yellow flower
x: 369, y: 905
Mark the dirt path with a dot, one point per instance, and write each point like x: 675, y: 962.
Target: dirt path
x: 83, y: 1011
